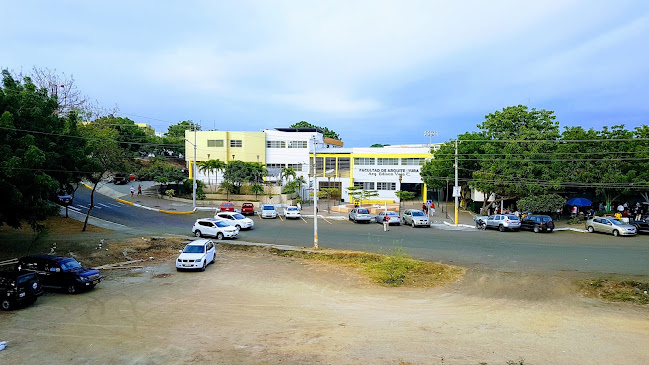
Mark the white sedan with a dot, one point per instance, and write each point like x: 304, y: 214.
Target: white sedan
x: 215, y: 227
x: 292, y: 212
x: 236, y: 220
x: 196, y: 255
x: 268, y: 211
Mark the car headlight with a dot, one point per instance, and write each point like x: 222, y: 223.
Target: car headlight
x: 197, y: 260
x: 179, y: 260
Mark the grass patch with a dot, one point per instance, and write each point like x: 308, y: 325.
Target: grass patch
x: 56, y: 225
x: 233, y: 247
x: 392, y: 269
x: 629, y: 291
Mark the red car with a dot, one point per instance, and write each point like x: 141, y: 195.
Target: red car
x: 247, y: 208
x: 226, y: 207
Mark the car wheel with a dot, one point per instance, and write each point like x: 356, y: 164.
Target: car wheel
x: 536, y: 229
x: 72, y: 289
x: 204, y: 265
x: 238, y: 227
x: 219, y: 236
x: 5, y: 304
x: 178, y: 269
x: 501, y: 228
x: 591, y: 229
x: 413, y: 224
x: 197, y: 233
x: 616, y: 233
x: 213, y: 259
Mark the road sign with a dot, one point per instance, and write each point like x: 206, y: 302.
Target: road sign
x: 429, y: 203
x: 456, y: 191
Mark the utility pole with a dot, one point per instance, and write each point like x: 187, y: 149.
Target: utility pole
x: 456, y: 192
x: 315, y: 197
x: 194, y: 172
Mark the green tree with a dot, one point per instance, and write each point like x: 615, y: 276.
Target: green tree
x: 130, y: 137
x: 105, y: 156
x: 235, y: 175
x: 545, y: 203
x: 369, y: 194
x: 325, y: 131
x: 403, y: 195
x: 174, y: 138
x: 40, y: 152
x: 257, y: 189
x: 328, y: 193
x: 355, y: 194
x: 256, y: 172
x: 286, y: 173
x: 379, y: 145
x: 206, y: 166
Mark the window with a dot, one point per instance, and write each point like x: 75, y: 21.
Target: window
x: 387, y: 161
x: 275, y: 166
x: 275, y: 144
x: 363, y: 161
x: 412, y: 161
x: 296, y: 166
x: 297, y: 144
x: 364, y: 185
x: 214, y: 143
x: 236, y: 143
x: 319, y: 164
x: 330, y: 164
x: 386, y: 186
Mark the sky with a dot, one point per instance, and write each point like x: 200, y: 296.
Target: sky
x: 373, y: 71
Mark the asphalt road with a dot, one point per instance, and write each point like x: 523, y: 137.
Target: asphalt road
x: 508, y: 251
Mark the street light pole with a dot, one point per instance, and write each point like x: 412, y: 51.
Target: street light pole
x: 194, y: 173
x: 400, y: 178
x: 315, y: 197
x: 430, y: 135
x: 455, y: 188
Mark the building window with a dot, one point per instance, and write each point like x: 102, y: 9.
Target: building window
x: 387, y: 161
x: 296, y: 166
x: 236, y: 143
x: 413, y: 161
x: 330, y: 165
x: 386, y: 186
x: 275, y: 166
x: 275, y: 144
x: 364, y: 185
x: 319, y: 164
x: 297, y: 144
x: 363, y: 161
x: 214, y: 143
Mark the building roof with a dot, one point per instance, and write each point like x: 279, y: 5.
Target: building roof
x: 299, y: 130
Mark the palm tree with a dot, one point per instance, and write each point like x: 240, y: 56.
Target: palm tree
x: 218, y: 165
x: 286, y: 173
x: 205, y: 166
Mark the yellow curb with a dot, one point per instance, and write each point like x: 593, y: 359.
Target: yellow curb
x: 88, y: 186
x: 171, y: 212
x: 124, y: 201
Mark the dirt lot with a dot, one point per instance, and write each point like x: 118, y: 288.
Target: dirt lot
x: 253, y: 307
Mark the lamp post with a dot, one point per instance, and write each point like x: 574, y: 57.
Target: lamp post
x: 430, y: 135
x: 193, y: 170
x: 315, y: 197
x: 400, y: 178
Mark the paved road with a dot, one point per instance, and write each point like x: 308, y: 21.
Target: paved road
x: 509, y: 251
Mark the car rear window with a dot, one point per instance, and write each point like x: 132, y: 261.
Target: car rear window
x: 247, y: 204
x: 363, y: 211
x: 546, y: 219
x: 269, y: 207
x: 417, y: 213
x: 227, y: 204
x: 292, y: 209
x: 512, y: 217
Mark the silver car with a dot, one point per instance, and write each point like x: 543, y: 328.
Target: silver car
x: 610, y: 225
x: 360, y: 215
x: 389, y: 216
x: 504, y: 222
x: 416, y: 218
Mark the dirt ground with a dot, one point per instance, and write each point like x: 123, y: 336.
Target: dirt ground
x: 252, y: 307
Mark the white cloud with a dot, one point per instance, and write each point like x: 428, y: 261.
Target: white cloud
x: 328, y: 102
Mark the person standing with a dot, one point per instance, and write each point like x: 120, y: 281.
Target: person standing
x: 574, y: 211
x: 423, y: 208
x: 299, y: 206
x: 139, y: 189
x: 132, y: 191
x: 432, y: 209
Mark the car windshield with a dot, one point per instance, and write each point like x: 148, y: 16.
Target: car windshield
x: 70, y: 264
x: 546, y: 219
x: 363, y: 211
x: 194, y: 249
x: 617, y: 222
x: 292, y: 209
x: 25, y: 278
x: 391, y: 213
x: 417, y: 213
x: 269, y: 207
x: 238, y: 216
x: 221, y: 224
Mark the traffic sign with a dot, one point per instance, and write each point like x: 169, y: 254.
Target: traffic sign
x: 456, y: 191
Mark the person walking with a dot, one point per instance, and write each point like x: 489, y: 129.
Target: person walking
x: 424, y: 209
x: 139, y: 189
x: 432, y: 209
x: 132, y: 191
x: 299, y: 206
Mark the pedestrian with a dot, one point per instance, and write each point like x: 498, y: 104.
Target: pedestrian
x: 132, y: 191
x: 432, y: 209
x: 601, y: 206
x: 139, y: 189
x: 424, y: 208
x: 299, y: 206
x: 574, y: 211
x: 620, y: 208
x: 559, y: 213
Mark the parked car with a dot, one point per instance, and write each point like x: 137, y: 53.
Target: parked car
x: 218, y: 228
x: 120, y: 179
x: 236, y: 220
x: 247, y: 209
x: 641, y: 226
x: 64, y: 198
x: 292, y: 212
x: 60, y: 272
x: 360, y: 215
x: 196, y: 255
x: 18, y: 289
x: 226, y: 207
x: 389, y: 216
x: 415, y: 217
x: 538, y: 223
x: 268, y: 211
x: 610, y: 225
x: 503, y: 222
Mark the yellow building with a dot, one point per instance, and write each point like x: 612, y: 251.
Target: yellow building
x: 225, y: 146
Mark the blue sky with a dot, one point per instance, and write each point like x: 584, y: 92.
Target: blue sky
x: 374, y: 71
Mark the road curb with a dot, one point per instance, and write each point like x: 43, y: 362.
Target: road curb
x: 124, y: 201
x: 172, y: 212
